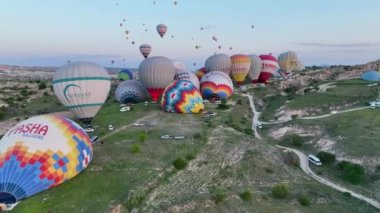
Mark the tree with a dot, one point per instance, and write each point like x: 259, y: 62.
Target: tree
x: 352, y: 172
x: 180, y: 163
x: 304, y: 200
x: 326, y: 157
x: 246, y: 195
x: 42, y: 85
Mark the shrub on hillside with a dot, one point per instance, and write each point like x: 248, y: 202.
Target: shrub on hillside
x: 352, y: 172
x: 280, y: 191
x: 326, y: 157
x: 294, y: 140
x: 142, y: 137
x: 219, y: 197
x: 304, y: 200
x: 291, y: 159
x: 239, y: 102
x: 135, y: 148
x: 180, y: 163
x: 42, y: 85
x: 246, y: 195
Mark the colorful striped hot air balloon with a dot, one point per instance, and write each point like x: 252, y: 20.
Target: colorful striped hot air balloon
x: 145, y: 50
x: 182, y: 96
x: 40, y: 153
x: 269, y: 66
x: 156, y: 73
x: 241, y: 65
x: 255, y: 70
x: 131, y: 91
x: 200, y: 73
x: 219, y: 62
x: 288, y: 61
x: 82, y: 87
x: 161, y: 29
x: 371, y: 76
x: 125, y: 74
x: 216, y: 85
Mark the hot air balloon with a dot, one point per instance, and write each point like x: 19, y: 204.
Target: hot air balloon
x: 269, y: 66
x: 371, y: 76
x: 145, y: 50
x: 187, y: 75
x: 131, y: 91
x: 126, y: 32
x: 125, y: 74
x: 219, y: 62
x: 82, y: 87
x: 156, y: 73
x: 300, y: 66
x: 112, y: 61
x: 216, y: 85
x: 40, y: 153
x: 200, y: 73
x: 220, y: 47
x: 161, y: 29
x: 133, y: 42
x: 215, y: 38
x: 241, y: 65
x: 287, y: 61
x: 182, y: 96
x: 175, y: 2
x: 255, y: 70
x: 179, y: 66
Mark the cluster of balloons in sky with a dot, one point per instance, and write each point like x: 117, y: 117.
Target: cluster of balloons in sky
x: 44, y: 151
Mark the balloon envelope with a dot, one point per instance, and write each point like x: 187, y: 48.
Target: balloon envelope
x: 189, y: 76
x: 287, y: 61
x: 156, y: 73
x: 131, y: 91
x: 216, y: 85
x: 125, y: 74
x: 40, y: 153
x: 82, y: 87
x: 219, y: 62
x: 255, y: 69
x: 269, y: 66
x: 145, y: 50
x: 200, y: 73
x: 240, y: 67
x: 371, y: 76
x: 161, y: 29
x: 179, y: 66
x: 182, y: 96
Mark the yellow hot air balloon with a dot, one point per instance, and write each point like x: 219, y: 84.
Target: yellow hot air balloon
x: 288, y: 61
x: 241, y: 65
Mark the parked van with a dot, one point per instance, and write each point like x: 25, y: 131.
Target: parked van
x: 314, y: 160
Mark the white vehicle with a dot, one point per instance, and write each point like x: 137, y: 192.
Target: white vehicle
x: 166, y: 137
x: 334, y: 112
x: 146, y: 103
x: 179, y: 137
x: 218, y: 102
x: 89, y: 129
x: 125, y: 109
x: 314, y: 160
x: 374, y: 104
x: 138, y: 124
x: 243, y: 88
x: 110, y: 127
x: 212, y: 113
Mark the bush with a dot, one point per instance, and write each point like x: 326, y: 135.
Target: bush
x: 2, y: 113
x: 246, y: 195
x: 134, y: 200
x: 280, y: 191
x: 219, y: 197
x: 304, y: 200
x: 42, y: 85
x: 249, y: 131
x: 352, y: 172
x: 239, y: 102
x: 291, y: 159
x: 190, y: 157
x: 180, y: 163
x: 346, y: 194
x: 326, y: 157
x: 197, y: 136
x: 24, y: 92
x: 223, y: 105
x: 142, y: 137
x: 46, y: 94
x: 294, y: 117
x: 294, y: 140
x: 135, y: 148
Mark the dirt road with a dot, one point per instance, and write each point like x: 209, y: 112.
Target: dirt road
x: 255, y: 118
x: 328, y: 115
x: 304, y: 164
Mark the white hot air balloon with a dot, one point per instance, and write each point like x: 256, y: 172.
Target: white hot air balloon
x: 179, y: 66
x: 287, y: 61
x: 161, y: 29
x: 145, y: 50
x: 300, y: 66
x: 187, y: 75
x: 255, y: 70
x: 156, y: 73
x: 219, y: 62
x: 216, y: 85
x: 82, y: 87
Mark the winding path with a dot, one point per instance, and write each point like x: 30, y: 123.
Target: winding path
x: 255, y: 118
x: 328, y: 115
x: 304, y: 164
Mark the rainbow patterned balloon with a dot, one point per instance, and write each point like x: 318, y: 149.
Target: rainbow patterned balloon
x: 216, y: 85
x: 40, y: 153
x: 200, y: 73
x: 182, y: 96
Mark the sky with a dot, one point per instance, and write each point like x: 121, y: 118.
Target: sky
x: 52, y: 32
